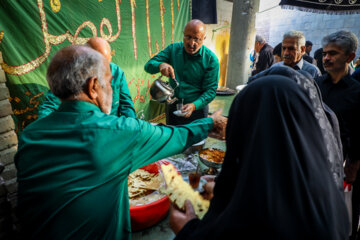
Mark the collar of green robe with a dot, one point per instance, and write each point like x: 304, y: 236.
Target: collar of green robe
x: 77, y: 106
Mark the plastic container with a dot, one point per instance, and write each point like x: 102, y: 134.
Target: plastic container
x: 147, y: 215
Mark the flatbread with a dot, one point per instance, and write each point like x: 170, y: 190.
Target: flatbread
x: 178, y: 191
x: 141, y: 183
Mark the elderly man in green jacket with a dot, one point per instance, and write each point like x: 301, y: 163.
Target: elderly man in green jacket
x: 195, y: 67
x: 122, y: 103
x: 73, y: 165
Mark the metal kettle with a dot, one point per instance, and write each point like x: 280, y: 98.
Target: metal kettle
x: 162, y: 91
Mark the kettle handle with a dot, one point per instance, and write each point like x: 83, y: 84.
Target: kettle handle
x: 171, y: 101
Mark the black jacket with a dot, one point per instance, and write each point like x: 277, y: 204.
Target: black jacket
x: 264, y: 60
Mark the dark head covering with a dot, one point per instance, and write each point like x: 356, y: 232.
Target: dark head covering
x: 326, y: 117
x: 277, y: 49
x: 275, y: 182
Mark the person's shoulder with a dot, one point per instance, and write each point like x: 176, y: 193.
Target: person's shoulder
x: 269, y: 48
x: 114, y: 123
x: 116, y: 71
x: 176, y: 45
x: 115, y: 67
x: 310, y: 66
x: 308, y: 58
x: 209, y: 53
x: 353, y: 81
x: 278, y: 64
x: 356, y: 74
x: 321, y: 78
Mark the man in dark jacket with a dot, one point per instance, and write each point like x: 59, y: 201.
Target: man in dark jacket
x: 265, y: 57
x: 306, y: 56
x: 341, y: 93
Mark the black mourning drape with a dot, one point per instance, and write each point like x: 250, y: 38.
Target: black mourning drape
x: 204, y: 10
x: 323, y: 6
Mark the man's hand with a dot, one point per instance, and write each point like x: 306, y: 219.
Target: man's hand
x: 178, y: 219
x: 219, y: 127
x: 351, y: 169
x: 167, y: 70
x: 188, y: 109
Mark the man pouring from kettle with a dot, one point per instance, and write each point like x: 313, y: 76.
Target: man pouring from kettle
x: 193, y: 70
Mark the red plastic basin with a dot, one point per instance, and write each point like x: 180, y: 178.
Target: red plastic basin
x: 147, y: 215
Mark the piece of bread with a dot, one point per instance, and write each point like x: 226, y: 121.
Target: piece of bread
x: 178, y: 191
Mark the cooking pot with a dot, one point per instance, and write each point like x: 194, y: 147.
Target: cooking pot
x: 162, y: 91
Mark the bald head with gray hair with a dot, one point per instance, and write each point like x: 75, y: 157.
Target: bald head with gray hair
x: 346, y: 40
x: 299, y: 36
x: 70, y: 69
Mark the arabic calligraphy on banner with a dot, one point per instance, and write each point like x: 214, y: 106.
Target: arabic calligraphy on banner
x: 50, y: 39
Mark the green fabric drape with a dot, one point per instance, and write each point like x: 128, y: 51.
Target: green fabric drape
x: 31, y: 32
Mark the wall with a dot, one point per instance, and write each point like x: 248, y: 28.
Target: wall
x: 273, y: 22
x: 8, y: 147
x: 218, y: 36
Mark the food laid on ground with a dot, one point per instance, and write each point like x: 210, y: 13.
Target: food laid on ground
x: 143, y: 187
x: 178, y: 191
x: 212, y: 155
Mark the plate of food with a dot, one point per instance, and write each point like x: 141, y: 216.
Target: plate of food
x: 212, y: 157
x: 148, y: 205
x: 179, y: 113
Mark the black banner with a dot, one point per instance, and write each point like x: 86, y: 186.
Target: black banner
x: 324, y: 6
x: 204, y: 10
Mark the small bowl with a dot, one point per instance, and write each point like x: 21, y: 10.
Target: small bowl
x: 179, y: 113
x: 210, y: 163
x: 147, y: 215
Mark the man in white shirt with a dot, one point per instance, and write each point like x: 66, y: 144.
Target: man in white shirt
x: 293, y: 49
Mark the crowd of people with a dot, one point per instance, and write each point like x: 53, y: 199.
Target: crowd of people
x: 292, y: 141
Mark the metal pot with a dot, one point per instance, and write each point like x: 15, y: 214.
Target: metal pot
x: 162, y: 91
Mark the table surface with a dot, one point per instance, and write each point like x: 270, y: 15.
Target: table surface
x: 223, y: 102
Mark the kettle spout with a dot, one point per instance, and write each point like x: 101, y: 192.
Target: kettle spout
x: 171, y: 101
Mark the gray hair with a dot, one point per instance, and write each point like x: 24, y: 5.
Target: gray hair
x: 344, y: 39
x: 69, y: 72
x: 298, y: 35
x: 260, y: 39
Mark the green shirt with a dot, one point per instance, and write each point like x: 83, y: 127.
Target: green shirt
x: 122, y: 104
x: 73, y: 169
x: 197, y: 74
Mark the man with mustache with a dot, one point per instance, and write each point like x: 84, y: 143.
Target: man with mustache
x: 195, y: 67
x: 341, y: 93
x: 293, y: 49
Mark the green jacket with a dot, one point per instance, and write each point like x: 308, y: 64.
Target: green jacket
x: 73, y: 169
x: 198, y: 74
x: 122, y: 104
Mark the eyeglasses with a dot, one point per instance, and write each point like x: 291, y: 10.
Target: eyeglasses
x: 188, y: 38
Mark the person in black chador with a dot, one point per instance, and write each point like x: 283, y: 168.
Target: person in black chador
x: 275, y: 182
